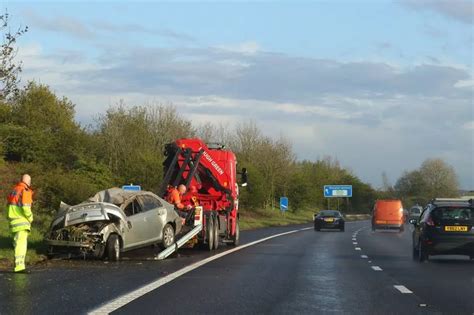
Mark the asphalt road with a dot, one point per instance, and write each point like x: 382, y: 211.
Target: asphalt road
x: 303, y: 272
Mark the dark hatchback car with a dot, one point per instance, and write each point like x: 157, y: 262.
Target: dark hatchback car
x: 445, y: 227
x: 329, y: 219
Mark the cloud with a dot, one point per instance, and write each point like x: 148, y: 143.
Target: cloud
x: 460, y: 10
x: 61, y: 24
x: 266, y: 76
x: 325, y: 107
x: 246, y: 48
x: 92, y: 29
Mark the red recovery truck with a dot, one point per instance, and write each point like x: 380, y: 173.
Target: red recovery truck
x: 210, y: 176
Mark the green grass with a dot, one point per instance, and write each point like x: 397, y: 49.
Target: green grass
x: 265, y: 218
x: 36, y: 246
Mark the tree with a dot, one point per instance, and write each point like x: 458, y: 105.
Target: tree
x: 439, y: 178
x: 9, y: 68
x: 131, y: 141
x: 434, y: 178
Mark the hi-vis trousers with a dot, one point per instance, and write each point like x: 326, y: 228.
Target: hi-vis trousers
x: 20, y: 242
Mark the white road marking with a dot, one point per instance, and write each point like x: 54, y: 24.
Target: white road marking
x: 355, y: 243
x: 403, y: 289
x: 376, y: 268
x: 354, y: 239
x: 370, y: 261
x: 131, y: 296
x: 358, y: 248
x: 364, y: 256
x: 304, y: 229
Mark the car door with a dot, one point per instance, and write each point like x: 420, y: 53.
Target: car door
x: 137, y: 223
x: 152, y: 211
x: 419, y: 227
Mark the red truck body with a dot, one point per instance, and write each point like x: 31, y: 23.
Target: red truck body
x: 209, y: 174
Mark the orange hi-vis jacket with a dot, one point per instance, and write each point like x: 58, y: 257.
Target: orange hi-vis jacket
x: 19, y: 208
x: 174, y: 198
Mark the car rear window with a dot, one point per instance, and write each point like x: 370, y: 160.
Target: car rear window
x: 461, y: 214
x: 329, y: 214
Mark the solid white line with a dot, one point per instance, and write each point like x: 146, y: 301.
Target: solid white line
x: 402, y: 289
x: 376, y: 268
x: 131, y: 296
x: 304, y: 229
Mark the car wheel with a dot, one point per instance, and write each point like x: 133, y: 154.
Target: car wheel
x: 216, y: 233
x: 422, y: 255
x: 168, y: 236
x: 342, y: 229
x: 402, y: 228
x: 415, y: 253
x: 236, y: 237
x: 113, y: 248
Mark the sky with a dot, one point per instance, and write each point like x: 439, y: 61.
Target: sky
x: 380, y: 85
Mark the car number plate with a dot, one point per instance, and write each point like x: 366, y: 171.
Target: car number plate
x: 455, y: 228
x: 329, y: 220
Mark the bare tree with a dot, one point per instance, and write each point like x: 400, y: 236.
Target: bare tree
x: 9, y: 68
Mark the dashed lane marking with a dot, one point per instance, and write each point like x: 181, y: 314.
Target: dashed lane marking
x: 364, y: 256
x: 403, y: 289
x: 358, y: 248
x: 355, y: 243
x: 376, y: 268
x: 131, y: 296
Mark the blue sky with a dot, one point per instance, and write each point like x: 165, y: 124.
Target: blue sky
x: 381, y: 85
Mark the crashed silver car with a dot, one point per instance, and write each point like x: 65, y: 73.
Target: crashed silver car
x: 111, y: 222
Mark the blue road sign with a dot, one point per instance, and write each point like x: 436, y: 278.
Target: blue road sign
x: 331, y: 191
x: 132, y: 187
x: 283, y: 203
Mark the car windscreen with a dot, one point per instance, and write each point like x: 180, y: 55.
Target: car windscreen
x: 453, y: 214
x: 329, y: 214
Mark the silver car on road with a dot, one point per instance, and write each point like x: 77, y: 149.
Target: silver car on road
x: 111, y: 222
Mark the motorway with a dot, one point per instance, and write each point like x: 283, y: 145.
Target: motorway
x: 353, y: 272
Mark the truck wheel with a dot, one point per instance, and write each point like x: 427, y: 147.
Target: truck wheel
x: 236, y: 237
x: 168, y: 236
x: 210, y: 233
x: 113, y: 248
x: 216, y: 233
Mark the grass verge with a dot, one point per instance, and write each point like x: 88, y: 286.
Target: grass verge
x: 36, y: 247
x: 256, y: 219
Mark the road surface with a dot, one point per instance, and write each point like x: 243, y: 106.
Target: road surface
x: 356, y: 272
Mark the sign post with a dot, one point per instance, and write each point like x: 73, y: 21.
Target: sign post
x: 132, y: 187
x: 337, y: 191
x: 334, y: 191
x: 283, y: 204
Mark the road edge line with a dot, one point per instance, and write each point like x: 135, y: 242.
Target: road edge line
x: 127, y: 298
